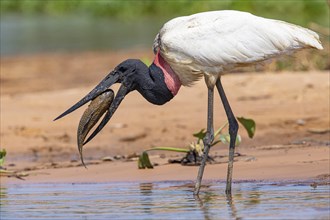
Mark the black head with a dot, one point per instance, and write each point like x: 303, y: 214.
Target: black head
x: 133, y: 75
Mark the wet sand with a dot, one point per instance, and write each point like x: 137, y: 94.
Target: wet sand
x: 291, y: 110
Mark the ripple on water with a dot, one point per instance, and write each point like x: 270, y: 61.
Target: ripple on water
x: 163, y: 200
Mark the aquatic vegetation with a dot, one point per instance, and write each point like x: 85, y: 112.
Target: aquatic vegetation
x: 2, y: 156
x: 9, y: 173
x: 194, y: 151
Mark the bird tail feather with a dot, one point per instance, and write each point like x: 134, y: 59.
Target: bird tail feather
x: 305, y: 37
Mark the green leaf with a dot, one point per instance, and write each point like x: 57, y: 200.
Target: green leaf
x: 249, y: 125
x: 225, y: 139
x: 144, y: 161
x: 200, y: 135
x: 2, y: 156
x: 238, y: 140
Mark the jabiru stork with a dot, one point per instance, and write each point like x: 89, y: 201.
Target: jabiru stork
x: 206, y: 44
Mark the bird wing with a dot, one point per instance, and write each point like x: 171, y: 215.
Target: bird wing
x: 220, y: 40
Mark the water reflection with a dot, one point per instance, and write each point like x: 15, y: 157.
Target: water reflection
x: 146, y: 199
x: 163, y: 200
x: 232, y: 207
x: 3, y: 196
x: 208, y: 198
x: 3, y: 192
x: 201, y: 203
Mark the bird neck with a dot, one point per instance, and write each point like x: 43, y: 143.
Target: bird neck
x: 172, y: 80
x: 157, y: 83
x: 148, y: 81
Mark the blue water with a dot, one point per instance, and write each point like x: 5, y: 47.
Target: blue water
x: 47, y: 34
x: 163, y: 200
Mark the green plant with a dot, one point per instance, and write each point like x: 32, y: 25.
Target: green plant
x: 9, y: 173
x: 197, y: 147
x: 2, y: 156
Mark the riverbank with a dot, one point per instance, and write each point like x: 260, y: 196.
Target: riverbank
x: 291, y: 110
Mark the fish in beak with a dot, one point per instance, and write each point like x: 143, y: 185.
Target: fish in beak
x: 102, y: 101
x: 91, y: 116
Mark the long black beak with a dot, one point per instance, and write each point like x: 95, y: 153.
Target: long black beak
x: 122, y: 92
x: 109, y: 80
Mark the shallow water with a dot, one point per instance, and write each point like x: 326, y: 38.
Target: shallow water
x: 164, y: 200
x: 44, y: 34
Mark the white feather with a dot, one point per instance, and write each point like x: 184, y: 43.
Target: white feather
x: 211, y: 43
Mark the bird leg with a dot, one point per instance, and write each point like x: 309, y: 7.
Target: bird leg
x: 233, y: 128
x: 207, y: 140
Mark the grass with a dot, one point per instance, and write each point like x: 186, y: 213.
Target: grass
x: 313, y: 14
x: 296, y: 11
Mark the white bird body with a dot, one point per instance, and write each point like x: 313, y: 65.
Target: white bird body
x: 211, y: 43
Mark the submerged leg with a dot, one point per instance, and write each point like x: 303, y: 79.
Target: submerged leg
x: 207, y: 140
x: 233, y: 128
